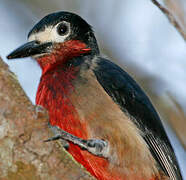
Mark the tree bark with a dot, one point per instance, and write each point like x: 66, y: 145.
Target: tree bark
x: 23, y: 154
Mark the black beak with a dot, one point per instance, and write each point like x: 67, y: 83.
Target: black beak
x: 30, y: 49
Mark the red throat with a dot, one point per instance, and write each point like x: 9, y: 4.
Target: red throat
x: 61, y: 53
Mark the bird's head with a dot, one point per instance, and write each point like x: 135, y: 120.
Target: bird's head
x: 57, y: 38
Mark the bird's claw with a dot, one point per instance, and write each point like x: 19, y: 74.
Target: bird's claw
x: 97, y: 147
x: 56, y: 130
x: 52, y: 138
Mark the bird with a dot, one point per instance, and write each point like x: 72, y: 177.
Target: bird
x: 103, y: 117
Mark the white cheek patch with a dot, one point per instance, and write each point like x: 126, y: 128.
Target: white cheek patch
x: 48, y: 35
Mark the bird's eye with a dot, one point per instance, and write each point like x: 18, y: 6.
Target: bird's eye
x: 62, y: 29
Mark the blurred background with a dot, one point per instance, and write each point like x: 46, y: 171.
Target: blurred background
x: 135, y: 34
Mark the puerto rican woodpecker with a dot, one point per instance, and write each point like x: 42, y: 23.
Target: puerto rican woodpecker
x: 107, y: 122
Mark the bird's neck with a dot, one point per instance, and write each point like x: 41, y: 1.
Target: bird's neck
x: 55, y: 83
x: 49, y: 63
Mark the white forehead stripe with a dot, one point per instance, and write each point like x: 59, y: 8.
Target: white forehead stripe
x: 48, y: 35
x: 43, y: 36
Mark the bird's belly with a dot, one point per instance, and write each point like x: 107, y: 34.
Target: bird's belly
x: 89, y: 112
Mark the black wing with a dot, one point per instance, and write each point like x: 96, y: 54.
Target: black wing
x: 133, y: 101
